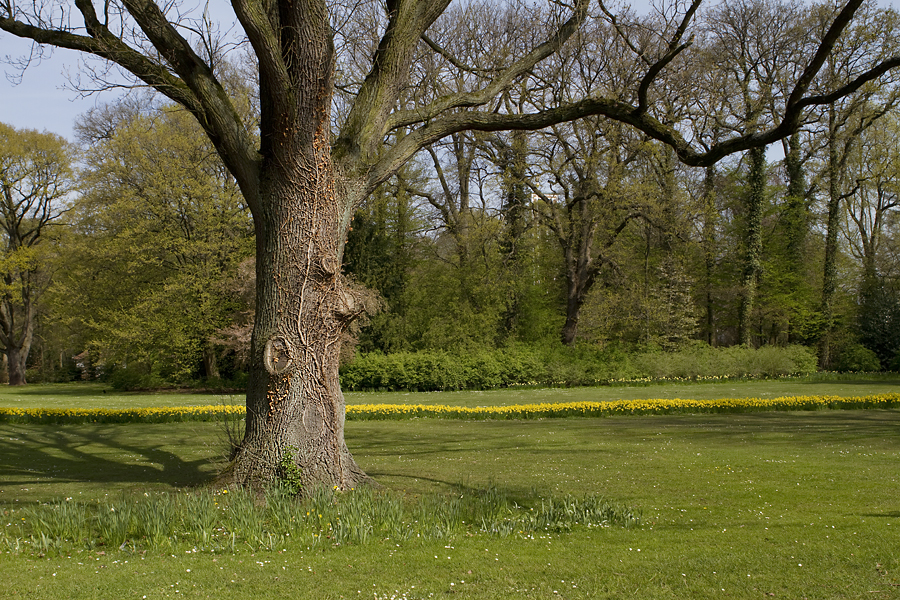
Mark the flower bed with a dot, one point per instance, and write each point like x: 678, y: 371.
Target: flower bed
x: 362, y: 412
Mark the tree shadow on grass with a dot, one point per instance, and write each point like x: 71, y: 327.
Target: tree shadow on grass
x: 422, y: 455
x: 101, y: 456
x: 819, y: 426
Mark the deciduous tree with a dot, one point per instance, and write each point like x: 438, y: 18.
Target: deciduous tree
x: 158, y: 231
x: 845, y: 120
x: 310, y: 171
x: 35, y: 178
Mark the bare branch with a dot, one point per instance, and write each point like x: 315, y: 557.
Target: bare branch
x: 196, y: 89
x: 825, y: 47
x: 261, y: 32
x: 364, y: 130
x: 614, y: 21
x: 500, y: 83
x: 452, y: 59
x: 674, y: 49
x: 846, y: 90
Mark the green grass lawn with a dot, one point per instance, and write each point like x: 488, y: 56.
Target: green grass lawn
x: 795, y: 505
x: 98, y: 395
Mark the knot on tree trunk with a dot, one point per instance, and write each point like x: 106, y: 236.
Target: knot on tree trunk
x: 279, y: 355
x: 330, y: 264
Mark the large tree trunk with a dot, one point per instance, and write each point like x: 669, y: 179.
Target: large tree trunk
x: 210, y: 362
x: 573, y: 310
x: 16, y: 334
x: 581, y: 271
x: 709, y: 252
x: 295, y: 407
x: 16, y: 359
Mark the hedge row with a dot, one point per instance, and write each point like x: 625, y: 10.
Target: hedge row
x: 380, y: 412
x: 437, y: 371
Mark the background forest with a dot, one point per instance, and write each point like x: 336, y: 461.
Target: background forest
x: 131, y: 258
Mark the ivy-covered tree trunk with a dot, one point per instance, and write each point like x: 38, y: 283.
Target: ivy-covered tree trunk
x: 515, y: 203
x: 710, y: 216
x: 832, y: 224
x: 795, y: 225
x: 295, y: 408
x: 796, y: 214
x: 756, y: 183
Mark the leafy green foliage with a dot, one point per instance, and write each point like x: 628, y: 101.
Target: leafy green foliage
x: 291, y: 476
x: 35, y: 179
x: 153, y: 247
x: 879, y: 319
x: 854, y: 357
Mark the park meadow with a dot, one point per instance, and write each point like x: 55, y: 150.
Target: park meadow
x: 783, y: 503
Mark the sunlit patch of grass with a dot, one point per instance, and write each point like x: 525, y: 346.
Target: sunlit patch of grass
x: 728, y: 501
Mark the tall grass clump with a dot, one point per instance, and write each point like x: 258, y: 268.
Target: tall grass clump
x: 65, y: 520
x: 115, y: 524
x: 237, y: 520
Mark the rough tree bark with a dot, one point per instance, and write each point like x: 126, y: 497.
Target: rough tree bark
x: 295, y: 407
x: 294, y: 401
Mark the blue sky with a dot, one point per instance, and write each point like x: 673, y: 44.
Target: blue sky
x: 39, y: 102
x: 43, y: 101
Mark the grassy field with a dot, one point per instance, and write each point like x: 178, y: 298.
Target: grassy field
x: 97, y: 395
x: 795, y: 505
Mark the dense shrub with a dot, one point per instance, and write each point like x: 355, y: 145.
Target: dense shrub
x: 856, y: 358
x: 130, y: 378
x: 560, y: 365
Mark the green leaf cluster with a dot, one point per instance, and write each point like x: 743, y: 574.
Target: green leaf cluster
x: 153, y: 249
